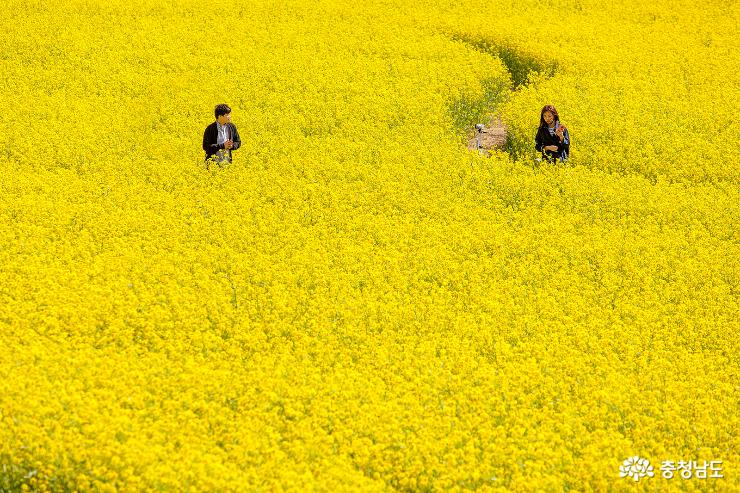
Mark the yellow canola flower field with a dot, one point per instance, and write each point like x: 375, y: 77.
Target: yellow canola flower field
x: 357, y: 302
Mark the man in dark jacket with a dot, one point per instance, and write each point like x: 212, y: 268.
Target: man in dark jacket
x: 221, y: 137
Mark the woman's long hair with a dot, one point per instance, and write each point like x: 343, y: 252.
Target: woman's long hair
x: 552, y: 110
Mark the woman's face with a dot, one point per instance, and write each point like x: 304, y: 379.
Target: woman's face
x: 548, y: 117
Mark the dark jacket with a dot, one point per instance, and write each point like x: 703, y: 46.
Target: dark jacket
x: 210, y: 139
x: 543, y: 138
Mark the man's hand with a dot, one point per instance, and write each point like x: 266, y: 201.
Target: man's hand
x: 228, y: 144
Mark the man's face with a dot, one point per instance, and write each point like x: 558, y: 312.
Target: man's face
x: 224, y: 119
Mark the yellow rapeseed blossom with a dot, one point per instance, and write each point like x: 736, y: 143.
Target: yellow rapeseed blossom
x: 357, y: 302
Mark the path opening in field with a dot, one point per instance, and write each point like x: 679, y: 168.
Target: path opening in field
x: 468, y: 112
x: 492, y: 137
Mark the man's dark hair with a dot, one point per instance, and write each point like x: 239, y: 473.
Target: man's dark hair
x: 222, y: 109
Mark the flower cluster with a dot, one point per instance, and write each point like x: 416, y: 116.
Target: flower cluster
x: 357, y: 302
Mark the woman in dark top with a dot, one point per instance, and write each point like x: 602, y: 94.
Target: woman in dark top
x: 552, y: 139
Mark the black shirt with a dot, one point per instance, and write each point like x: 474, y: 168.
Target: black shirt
x: 544, y: 138
x: 210, y: 139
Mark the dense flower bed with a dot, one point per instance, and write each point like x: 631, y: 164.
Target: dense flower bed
x: 358, y: 303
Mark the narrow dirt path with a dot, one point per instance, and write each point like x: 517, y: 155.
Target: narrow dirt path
x: 492, y: 138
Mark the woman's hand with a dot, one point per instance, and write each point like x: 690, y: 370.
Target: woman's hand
x: 560, y: 132
x: 550, y: 148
